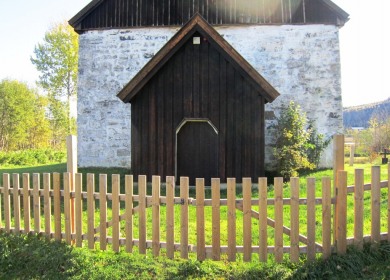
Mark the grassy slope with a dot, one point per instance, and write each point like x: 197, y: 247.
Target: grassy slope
x: 30, y: 257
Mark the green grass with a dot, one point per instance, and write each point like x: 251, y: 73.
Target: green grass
x: 33, y: 257
x: 192, y: 209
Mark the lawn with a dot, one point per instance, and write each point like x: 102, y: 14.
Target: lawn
x: 32, y: 257
x: 103, y: 262
x: 208, y: 211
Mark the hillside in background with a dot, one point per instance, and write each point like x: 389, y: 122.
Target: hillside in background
x: 359, y: 116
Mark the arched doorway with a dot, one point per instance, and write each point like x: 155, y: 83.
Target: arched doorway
x: 197, y: 150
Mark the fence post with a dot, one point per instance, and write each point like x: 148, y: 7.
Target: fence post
x: 341, y: 213
x: 338, y: 165
x: 351, y: 154
x: 375, y: 204
x: 71, y: 149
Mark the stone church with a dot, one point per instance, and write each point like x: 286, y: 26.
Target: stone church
x: 279, y: 50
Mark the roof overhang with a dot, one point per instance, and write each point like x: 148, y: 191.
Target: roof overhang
x: 197, y: 24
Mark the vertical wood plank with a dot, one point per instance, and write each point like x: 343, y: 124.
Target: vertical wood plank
x: 311, y: 219
x: 103, y: 211
x: 338, y: 165
x: 115, y: 212
x: 341, y: 213
x: 216, y: 218
x: 26, y: 202
x: 71, y: 144
x: 278, y: 184
x: 388, y: 202
x: 359, y: 208
x: 78, y: 209
x: 231, y: 216
x: 200, y: 234
x: 170, y: 217
x: 294, y: 217
x: 37, y: 203
x: 156, y: 215
x: 67, y: 205
x: 57, y: 206
x: 47, y: 203
x: 16, y: 199
x: 263, y: 235
x: 184, y: 191
x: 91, y: 210
x: 7, y: 202
x: 129, y: 186
x: 142, y: 213
x: 326, y: 217
x: 375, y: 204
x: 247, y: 219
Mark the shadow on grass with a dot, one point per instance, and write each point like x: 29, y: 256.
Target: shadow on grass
x: 32, y: 257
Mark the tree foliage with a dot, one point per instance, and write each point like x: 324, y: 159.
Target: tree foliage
x: 298, y: 145
x: 23, y: 123
x: 57, y: 60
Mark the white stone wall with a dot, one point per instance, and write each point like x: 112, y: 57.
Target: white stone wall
x: 301, y: 62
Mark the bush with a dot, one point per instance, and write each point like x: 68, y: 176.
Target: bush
x: 32, y: 157
x: 298, y: 145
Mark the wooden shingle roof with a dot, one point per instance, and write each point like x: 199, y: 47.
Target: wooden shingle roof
x: 197, y: 24
x: 100, y: 14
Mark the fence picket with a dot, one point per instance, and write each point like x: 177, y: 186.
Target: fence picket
x: 170, y: 218
x: 184, y: 192
x: 91, y: 210
x: 375, y: 204
x: 156, y: 215
x: 103, y: 211
x: 247, y: 218
x: 200, y: 237
x: 142, y: 213
x: 47, y: 204
x: 57, y: 206
x: 11, y: 217
x: 16, y: 199
x: 311, y: 219
x: 278, y: 184
x: 341, y: 213
x: 326, y: 217
x: 1, y: 214
x: 231, y: 219
x: 37, y: 203
x: 388, y: 202
x: 216, y: 218
x: 263, y: 235
x: 129, y: 212
x: 67, y: 206
x: 7, y: 202
x: 78, y: 209
x: 359, y: 207
x: 115, y: 212
x: 294, y: 216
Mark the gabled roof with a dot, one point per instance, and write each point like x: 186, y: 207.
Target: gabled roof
x: 100, y: 14
x: 197, y: 24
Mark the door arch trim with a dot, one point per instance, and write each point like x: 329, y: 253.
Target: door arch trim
x: 181, y: 125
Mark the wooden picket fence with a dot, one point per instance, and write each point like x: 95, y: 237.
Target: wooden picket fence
x: 58, y: 212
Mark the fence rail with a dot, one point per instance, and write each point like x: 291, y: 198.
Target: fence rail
x: 215, y: 226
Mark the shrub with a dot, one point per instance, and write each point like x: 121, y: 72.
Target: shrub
x: 32, y: 157
x: 298, y: 144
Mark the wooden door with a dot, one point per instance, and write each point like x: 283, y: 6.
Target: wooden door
x: 197, y: 151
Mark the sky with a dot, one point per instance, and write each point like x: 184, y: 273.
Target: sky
x: 365, y: 58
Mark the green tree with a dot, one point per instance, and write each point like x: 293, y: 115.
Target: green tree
x: 22, y: 111
x: 57, y: 61
x: 292, y: 141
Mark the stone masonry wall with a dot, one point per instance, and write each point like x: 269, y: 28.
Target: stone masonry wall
x: 301, y: 62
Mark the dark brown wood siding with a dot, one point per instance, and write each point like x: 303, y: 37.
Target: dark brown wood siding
x: 198, y: 82
x: 135, y: 13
